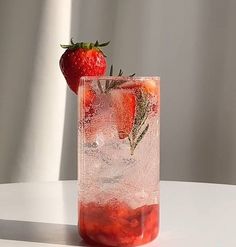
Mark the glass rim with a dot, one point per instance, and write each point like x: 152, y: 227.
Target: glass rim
x: 137, y: 78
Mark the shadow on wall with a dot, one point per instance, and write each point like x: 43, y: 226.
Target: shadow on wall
x: 68, y: 166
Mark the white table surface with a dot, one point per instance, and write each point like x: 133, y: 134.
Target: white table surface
x: 44, y: 214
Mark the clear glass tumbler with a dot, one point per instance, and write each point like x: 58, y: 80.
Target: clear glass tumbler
x: 119, y: 157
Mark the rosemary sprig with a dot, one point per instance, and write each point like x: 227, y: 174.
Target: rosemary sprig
x: 107, y: 81
x: 139, y: 131
x: 109, y: 85
x: 114, y: 85
x: 120, y: 73
x: 141, y: 136
x: 100, y: 86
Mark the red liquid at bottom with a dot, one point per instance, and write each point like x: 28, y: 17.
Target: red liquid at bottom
x: 116, y: 224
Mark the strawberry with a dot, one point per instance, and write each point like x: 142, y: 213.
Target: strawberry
x: 124, y: 109
x: 151, y: 88
x: 82, y: 59
x: 87, y: 111
x: 87, y: 97
x: 94, y: 113
x: 148, y: 86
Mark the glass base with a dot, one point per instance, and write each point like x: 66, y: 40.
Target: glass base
x: 117, y: 224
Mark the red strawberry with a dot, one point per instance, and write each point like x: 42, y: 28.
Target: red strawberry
x: 87, y: 111
x: 151, y: 87
x: 148, y: 86
x: 124, y: 109
x: 82, y: 59
x: 94, y: 115
x: 87, y: 97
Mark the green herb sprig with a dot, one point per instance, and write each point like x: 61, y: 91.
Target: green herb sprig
x: 112, y: 84
x: 140, y: 127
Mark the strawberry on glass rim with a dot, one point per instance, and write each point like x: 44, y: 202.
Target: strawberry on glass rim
x: 82, y: 59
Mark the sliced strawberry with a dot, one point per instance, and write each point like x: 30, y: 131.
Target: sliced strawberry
x: 148, y: 86
x: 123, y: 103
x: 87, y: 97
x: 87, y: 111
x: 95, y: 113
x: 151, y: 87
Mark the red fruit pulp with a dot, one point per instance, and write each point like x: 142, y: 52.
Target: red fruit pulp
x: 124, y: 107
x: 117, y: 224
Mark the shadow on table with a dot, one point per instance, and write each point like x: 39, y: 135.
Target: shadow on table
x: 40, y: 232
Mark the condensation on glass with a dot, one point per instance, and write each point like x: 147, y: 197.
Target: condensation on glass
x: 118, y: 160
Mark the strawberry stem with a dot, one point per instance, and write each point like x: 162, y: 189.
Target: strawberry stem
x: 120, y: 73
x: 113, y: 83
x: 71, y: 41
x: 84, y: 45
x: 103, y: 44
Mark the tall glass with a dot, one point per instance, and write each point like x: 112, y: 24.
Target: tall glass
x: 119, y: 157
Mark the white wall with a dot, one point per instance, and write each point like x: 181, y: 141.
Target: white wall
x: 32, y: 91
x: 189, y: 43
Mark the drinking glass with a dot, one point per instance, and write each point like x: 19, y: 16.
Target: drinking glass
x: 118, y: 159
